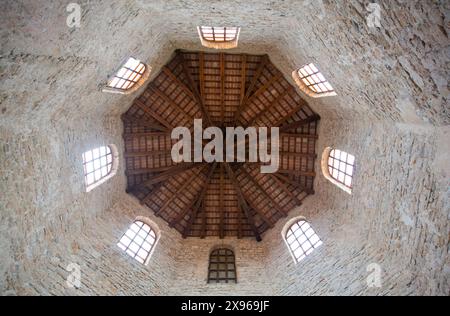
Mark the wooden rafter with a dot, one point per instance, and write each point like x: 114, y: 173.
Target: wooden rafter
x: 297, y: 124
x: 167, y: 99
x: 152, y: 113
x: 262, y: 65
x: 221, y: 204
x: 143, y: 122
x: 273, y: 104
x: 264, y: 192
x: 199, y: 201
x: 195, y: 90
x: 292, y: 182
x: 242, y: 202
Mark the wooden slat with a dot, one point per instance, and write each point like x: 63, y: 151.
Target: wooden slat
x: 131, y: 172
x: 163, y: 96
x: 264, y: 193
x: 263, y: 63
x: 300, y: 123
x: 222, y: 88
x: 293, y: 183
x: 285, y: 188
x: 199, y: 201
x: 178, y: 192
x: 297, y: 172
x: 243, y: 77
x: 195, y: 90
x: 242, y: 202
x: 221, y: 205
x: 170, y: 173
x: 273, y: 104
x: 143, y: 123
x: 144, y: 107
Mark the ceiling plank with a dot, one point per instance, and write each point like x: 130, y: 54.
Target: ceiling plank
x: 177, y: 193
x: 222, y: 88
x: 199, y: 201
x: 144, y: 107
x: 201, y: 63
x: 257, y: 74
x: 264, y: 192
x: 163, y: 96
x: 203, y: 229
x: 131, y: 172
x: 293, y: 183
x: 289, y: 114
x: 285, y: 188
x: 243, y: 77
x: 221, y: 205
x: 273, y: 104
x: 300, y: 123
x: 169, y: 173
x: 297, y: 172
x: 194, y: 90
x: 242, y: 201
x: 143, y: 122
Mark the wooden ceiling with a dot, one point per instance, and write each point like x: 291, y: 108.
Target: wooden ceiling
x: 219, y: 199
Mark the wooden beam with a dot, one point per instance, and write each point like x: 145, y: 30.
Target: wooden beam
x: 145, y: 134
x: 240, y: 212
x: 221, y: 205
x: 199, y: 201
x: 131, y: 172
x: 297, y: 172
x: 144, y: 107
x: 285, y: 188
x: 242, y: 202
x: 203, y: 229
x: 170, y: 173
x: 243, y: 77
x: 144, y: 123
x: 257, y: 74
x: 201, y: 75
x: 177, y: 193
x: 263, y: 88
x: 289, y: 114
x: 222, y: 88
x: 148, y: 153
x: 300, y: 123
x: 312, y: 136
x: 298, y: 155
x: 195, y: 90
x: 275, y: 102
x: 266, y: 195
x: 293, y: 183
x: 163, y: 96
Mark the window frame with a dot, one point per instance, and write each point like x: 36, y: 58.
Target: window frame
x: 225, y: 44
x: 153, y: 229
x: 216, y: 253
x: 137, y: 84
x: 287, y: 228
x: 326, y: 172
x: 306, y: 88
x: 112, y: 172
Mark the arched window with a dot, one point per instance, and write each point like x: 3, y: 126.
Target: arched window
x: 301, y: 240
x: 138, y: 241
x: 99, y: 165
x: 338, y: 167
x: 219, y: 37
x: 128, y: 78
x: 222, y: 267
x: 312, y: 82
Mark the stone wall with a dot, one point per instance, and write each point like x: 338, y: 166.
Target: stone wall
x: 391, y: 112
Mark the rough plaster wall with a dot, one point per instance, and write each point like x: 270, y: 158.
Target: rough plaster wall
x: 52, y: 110
x: 192, y: 261
x: 396, y: 216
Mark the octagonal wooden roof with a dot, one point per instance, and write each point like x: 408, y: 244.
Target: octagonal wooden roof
x: 219, y: 199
